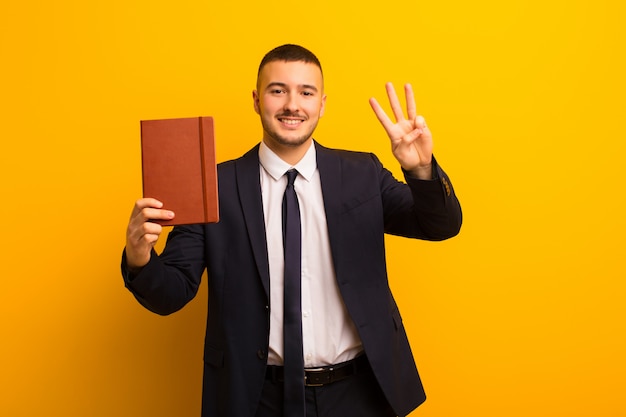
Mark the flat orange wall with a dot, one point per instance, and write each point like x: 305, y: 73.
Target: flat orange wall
x: 522, y: 315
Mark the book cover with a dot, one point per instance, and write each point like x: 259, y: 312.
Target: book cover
x: 179, y: 168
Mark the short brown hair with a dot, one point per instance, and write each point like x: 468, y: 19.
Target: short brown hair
x: 289, y: 53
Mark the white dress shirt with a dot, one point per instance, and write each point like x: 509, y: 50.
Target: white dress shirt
x: 329, y: 334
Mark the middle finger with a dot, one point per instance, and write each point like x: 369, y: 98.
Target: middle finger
x: 394, y: 102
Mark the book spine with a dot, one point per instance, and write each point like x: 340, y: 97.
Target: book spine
x: 203, y: 169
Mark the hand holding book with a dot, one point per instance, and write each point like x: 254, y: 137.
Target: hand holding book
x: 144, y: 231
x: 179, y: 182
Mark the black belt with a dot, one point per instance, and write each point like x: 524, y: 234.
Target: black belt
x: 317, y: 377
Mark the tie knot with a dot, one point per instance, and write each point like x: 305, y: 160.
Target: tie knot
x: 291, y: 176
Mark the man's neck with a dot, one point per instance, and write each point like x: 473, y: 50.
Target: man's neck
x: 290, y: 154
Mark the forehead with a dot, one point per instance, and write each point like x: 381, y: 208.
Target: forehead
x: 292, y: 73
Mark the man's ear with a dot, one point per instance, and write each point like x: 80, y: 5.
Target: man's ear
x: 323, y: 106
x: 255, y: 98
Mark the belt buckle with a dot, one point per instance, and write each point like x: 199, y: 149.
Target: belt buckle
x: 317, y: 371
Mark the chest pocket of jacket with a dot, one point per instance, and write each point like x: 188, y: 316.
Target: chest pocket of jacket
x: 357, y: 202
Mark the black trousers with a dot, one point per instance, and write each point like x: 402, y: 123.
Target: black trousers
x: 358, y: 395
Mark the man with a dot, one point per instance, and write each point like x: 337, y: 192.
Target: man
x: 354, y: 347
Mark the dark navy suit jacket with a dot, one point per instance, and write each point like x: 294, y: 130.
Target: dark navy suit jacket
x: 362, y: 202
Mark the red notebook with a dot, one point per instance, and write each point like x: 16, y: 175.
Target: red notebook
x: 179, y: 168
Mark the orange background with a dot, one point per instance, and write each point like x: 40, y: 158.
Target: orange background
x: 523, y: 314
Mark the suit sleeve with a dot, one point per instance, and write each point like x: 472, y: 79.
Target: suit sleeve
x: 170, y: 280
x: 423, y: 209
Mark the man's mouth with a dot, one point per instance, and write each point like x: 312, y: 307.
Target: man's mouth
x: 290, y: 122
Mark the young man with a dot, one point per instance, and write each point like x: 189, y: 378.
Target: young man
x: 352, y: 356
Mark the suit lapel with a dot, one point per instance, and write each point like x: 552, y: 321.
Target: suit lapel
x: 329, y: 166
x: 249, y: 189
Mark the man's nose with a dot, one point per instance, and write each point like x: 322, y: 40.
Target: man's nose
x: 291, y: 104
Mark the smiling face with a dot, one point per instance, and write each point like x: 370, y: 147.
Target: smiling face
x: 290, y: 100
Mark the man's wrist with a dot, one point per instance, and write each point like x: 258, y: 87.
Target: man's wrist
x: 132, y: 268
x: 422, y: 172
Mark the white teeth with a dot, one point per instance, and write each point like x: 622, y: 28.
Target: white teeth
x: 291, y: 122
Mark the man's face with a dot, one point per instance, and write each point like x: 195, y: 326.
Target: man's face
x: 290, y: 100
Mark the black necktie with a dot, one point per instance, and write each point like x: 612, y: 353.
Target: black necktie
x: 292, y: 318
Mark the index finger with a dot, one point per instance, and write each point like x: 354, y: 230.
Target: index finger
x: 147, y: 202
x: 380, y: 114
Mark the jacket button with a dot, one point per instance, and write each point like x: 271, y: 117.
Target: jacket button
x: 261, y: 354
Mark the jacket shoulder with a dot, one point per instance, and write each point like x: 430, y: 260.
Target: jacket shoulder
x: 349, y: 156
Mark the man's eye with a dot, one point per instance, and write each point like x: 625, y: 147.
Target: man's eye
x: 277, y: 91
x: 307, y: 93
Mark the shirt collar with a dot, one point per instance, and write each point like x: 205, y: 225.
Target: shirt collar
x: 276, y: 167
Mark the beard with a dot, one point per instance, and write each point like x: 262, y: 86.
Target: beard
x: 284, y: 140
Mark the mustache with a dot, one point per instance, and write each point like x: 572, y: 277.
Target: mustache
x: 291, y: 114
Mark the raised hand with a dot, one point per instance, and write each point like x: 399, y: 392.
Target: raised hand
x: 411, y: 140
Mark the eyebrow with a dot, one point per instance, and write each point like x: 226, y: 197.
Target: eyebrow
x: 301, y: 86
